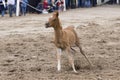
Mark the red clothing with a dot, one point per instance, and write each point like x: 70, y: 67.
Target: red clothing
x: 59, y: 3
x: 45, y: 5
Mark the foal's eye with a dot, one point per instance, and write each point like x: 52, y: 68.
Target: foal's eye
x: 54, y: 19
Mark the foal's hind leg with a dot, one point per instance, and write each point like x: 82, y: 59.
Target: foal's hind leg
x: 71, y: 60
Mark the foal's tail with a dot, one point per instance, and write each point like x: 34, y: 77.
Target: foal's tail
x: 84, y: 55
x: 78, y: 44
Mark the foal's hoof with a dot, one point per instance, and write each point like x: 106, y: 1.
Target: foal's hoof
x: 59, y: 71
x: 75, y: 72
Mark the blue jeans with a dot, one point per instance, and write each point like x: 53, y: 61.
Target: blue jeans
x: 2, y: 9
x: 11, y: 9
x: 67, y: 4
x: 79, y: 3
x: 49, y: 2
x: 23, y: 10
x: 82, y: 3
x: 3, y: 13
x: 87, y: 3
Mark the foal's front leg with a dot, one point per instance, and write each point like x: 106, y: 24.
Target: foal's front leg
x: 59, y: 52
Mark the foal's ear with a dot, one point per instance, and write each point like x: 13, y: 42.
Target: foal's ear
x: 56, y: 13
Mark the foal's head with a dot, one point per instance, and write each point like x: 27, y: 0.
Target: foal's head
x: 53, y: 21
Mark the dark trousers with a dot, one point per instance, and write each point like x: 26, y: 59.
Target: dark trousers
x: 87, y: 3
x: 73, y: 4
x: 93, y: 2
x: 113, y: 1
x: 11, y: 9
x: 67, y: 4
x: 2, y: 9
x: 24, y: 10
x: 79, y: 3
x: 82, y: 3
x: 102, y: 1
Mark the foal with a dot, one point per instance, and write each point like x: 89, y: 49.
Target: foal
x: 65, y: 39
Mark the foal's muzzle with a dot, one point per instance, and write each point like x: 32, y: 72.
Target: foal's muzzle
x: 47, y: 25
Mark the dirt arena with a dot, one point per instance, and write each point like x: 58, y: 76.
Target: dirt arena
x: 26, y: 51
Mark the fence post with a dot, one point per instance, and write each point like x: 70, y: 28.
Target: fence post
x: 64, y: 5
x: 17, y: 7
x: 118, y: 2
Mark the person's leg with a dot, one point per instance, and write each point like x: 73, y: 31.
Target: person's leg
x: 115, y: 1
x: 25, y: 8
x: 89, y: 3
x: 111, y: 1
x: 72, y: 3
x: 2, y: 11
x: 66, y: 3
x: 94, y: 3
x: 10, y: 10
x: 15, y: 9
x: 79, y: 3
x: 22, y: 10
x: 83, y: 3
x: 69, y: 4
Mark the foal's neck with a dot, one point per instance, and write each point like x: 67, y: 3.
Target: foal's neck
x: 58, y: 33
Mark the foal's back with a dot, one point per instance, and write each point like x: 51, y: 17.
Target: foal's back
x: 70, y: 35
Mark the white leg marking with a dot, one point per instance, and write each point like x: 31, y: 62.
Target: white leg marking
x: 74, y: 68
x: 59, y: 58
x: 59, y: 65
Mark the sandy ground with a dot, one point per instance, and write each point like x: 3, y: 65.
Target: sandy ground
x: 26, y: 51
